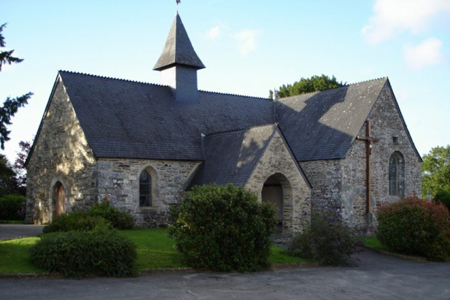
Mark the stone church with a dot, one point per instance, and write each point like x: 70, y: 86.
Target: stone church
x: 141, y: 145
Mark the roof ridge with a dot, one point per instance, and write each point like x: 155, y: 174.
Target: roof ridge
x: 368, y: 80
x: 110, y: 78
x: 239, y: 129
x: 236, y: 95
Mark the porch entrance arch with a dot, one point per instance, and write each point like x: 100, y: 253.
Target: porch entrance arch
x: 277, y: 191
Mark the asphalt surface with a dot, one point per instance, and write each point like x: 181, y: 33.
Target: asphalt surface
x: 377, y: 276
x: 13, y: 231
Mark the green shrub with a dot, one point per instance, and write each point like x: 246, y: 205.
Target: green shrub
x: 414, y: 226
x: 443, y: 196
x: 439, y: 249
x: 326, y: 237
x: 11, y: 207
x: 99, y: 252
x: 222, y: 228
x: 118, y: 219
x: 85, y: 221
x: 75, y: 221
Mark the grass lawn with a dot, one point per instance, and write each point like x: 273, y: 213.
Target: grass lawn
x: 372, y: 242
x: 156, y: 250
x: 15, y: 256
x: 12, y: 222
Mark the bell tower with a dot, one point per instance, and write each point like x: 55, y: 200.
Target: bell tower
x: 179, y: 63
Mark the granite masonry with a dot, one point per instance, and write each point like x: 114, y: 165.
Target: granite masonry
x: 61, y: 156
x: 118, y: 180
x: 344, y: 180
x: 277, y: 161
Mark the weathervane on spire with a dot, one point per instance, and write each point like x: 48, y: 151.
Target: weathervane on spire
x: 178, y: 2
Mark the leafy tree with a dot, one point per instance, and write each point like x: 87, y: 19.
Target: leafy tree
x: 13, y: 178
x: 307, y: 85
x: 11, y: 105
x: 436, y: 171
x: 19, y: 164
x: 8, y: 183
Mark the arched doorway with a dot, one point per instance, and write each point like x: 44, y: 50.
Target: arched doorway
x: 59, y: 206
x: 277, y: 191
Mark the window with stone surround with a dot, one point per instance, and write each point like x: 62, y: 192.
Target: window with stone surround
x: 145, y: 189
x: 397, y: 175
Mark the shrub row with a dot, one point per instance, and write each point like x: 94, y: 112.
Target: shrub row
x: 100, y: 252
x: 80, y: 244
x: 85, y: 221
x: 12, y: 207
x: 75, y: 221
x: 415, y: 226
x: 119, y: 219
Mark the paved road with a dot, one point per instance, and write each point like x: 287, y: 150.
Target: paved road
x: 377, y: 277
x: 12, y: 231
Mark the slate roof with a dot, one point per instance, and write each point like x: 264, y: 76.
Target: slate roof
x: 323, y: 125
x: 231, y: 157
x: 178, y: 49
x: 126, y: 119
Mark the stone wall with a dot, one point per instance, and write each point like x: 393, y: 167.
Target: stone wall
x: 325, y: 177
x: 119, y: 180
x: 353, y: 192
x: 60, y: 154
x: 345, y: 179
x: 277, y: 160
x: 386, y: 124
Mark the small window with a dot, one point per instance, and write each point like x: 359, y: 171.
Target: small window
x: 395, y: 140
x: 145, y: 189
x: 397, y: 175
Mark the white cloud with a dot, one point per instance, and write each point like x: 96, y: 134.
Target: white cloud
x: 213, y: 33
x: 395, y: 16
x: 428, y: 53
x: 246, y: 41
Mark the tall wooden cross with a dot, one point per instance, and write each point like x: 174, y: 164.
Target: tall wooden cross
x: 369, y: 141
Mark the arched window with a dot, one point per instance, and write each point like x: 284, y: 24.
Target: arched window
x: 145, y: 189
x: 397, y: 175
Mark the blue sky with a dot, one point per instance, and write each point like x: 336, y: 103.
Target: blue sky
x: 248, y: 47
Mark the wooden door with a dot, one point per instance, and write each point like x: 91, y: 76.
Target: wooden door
x: 60, y: 196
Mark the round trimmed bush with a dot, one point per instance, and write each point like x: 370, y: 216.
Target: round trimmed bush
x: 80, y: 254
x: 223, y: 228
x: 414, y: 226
